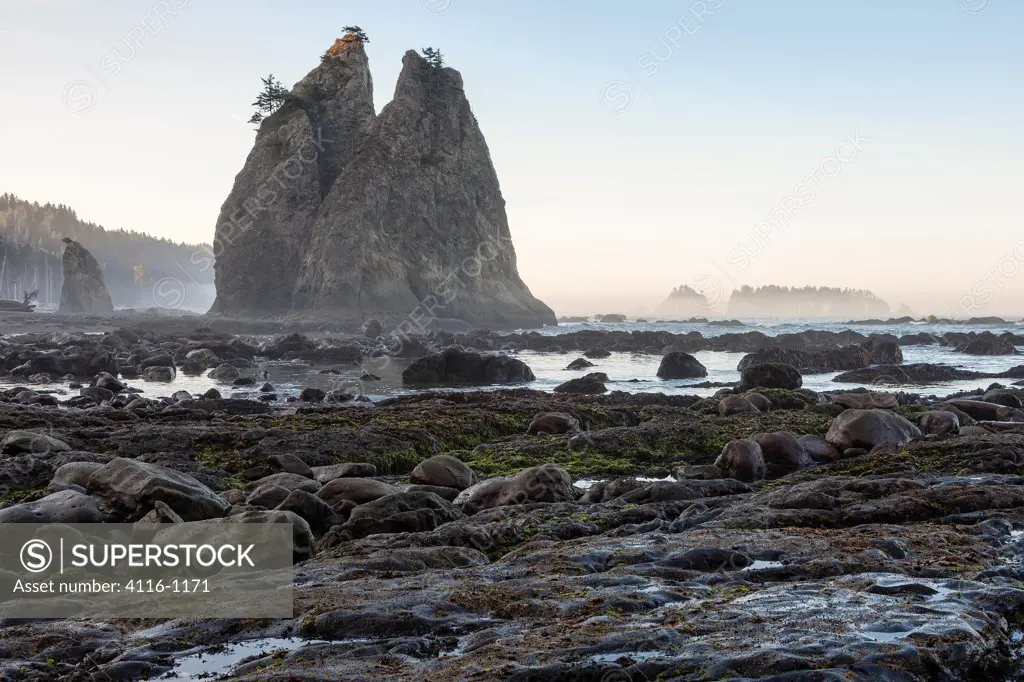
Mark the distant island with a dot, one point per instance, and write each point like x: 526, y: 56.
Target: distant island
x: 132, y: 263
x: 685, y: 300
x: 778, y: 301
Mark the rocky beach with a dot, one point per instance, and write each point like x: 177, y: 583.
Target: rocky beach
x: 474, y: 527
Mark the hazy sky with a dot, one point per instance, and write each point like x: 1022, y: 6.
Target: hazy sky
x: 639, y: 145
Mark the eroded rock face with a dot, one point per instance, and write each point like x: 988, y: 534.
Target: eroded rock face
x: 83, y: 290
x: 415, y: 221
x: 265, y: 224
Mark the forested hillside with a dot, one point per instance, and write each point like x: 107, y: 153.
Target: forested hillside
x: 779, y: 301
x: 133, y: 263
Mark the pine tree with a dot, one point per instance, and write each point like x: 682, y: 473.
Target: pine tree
x: 357, y: 32
x: 273, y: 96
x: 433, y: 57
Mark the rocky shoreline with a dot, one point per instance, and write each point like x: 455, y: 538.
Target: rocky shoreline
x: 767, y: 532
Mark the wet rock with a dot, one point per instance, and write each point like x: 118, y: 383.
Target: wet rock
x: 770, y: 375
x: 312, y: 395
x: 108, y: 382
x: 938, y: 423
x: 986, y: 343
x: 736, y: 404
x: 76, y: 473
x: 983, y: 411
x: 544, y: 483
x: 455, y: 366
x: 1003, y: 397
x: 302, y: 534
x: 743, y: 460
x: 328, y: 473
x: 224, y: 373
x: 818, y: 449
x: 402, y: 512
x: 444, y: 493
x: 358, y: 490
x: 707, y: 559
x: 162, y: 374
x: 289, y: 463
x: 590, y: 384
x: 65, y: 506
x: 444, y: 471
x: 679, y: 365
x: 23, y: 472
x: 920, y: 373
x: 126, y: 489
x: 704, y: 472
x: 580, y: 363
x: 553, y: 423
x: 758, y: 400
x: 317, y: 513
x: 596, y: 353
x: 782, y: 453
x: 286, y: 480
x: 212, y: 394
x: 869, y: 428
x: 161, y: 513
x: 267, y: 496
x: 871, y: 400
x: 30, y: 442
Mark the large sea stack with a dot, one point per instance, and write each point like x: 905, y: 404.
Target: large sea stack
x: 386, y: 216
x: 83, y: 290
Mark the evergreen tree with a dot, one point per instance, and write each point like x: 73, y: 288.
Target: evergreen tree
x: 433, y: 57
x: 273, y: 96
x: 357, y: 32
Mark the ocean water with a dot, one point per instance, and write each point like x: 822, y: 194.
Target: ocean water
x: 630, y: 372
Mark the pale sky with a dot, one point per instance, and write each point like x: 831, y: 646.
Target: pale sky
x: 639, y: 145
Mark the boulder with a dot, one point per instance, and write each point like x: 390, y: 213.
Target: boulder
x: 30, y: 442
x: 679, y: 365
x: 580, y: 363
x: 347, y: 470
x: 126, y: 489
x: 770, y: 375
x: 317, y: 513
x: 163, y: 374
x: 736, y: 404
x: 402, y: 512
x: 819, y: 449
x: 444, y: 471
x: 742, y: 459
x: 986, y: 343
x: 76, y: 473
x: 553, y: 423
x: 286, y: 480
x: 782, y: 453
x: 83, y: 290
x: 458, y: 367
x: 224, y: 373
x: 358, y: 490
x: 65, y: 506
x: 869, y: 428
x: 544, y: 483
x: 590, y: 384
x: 938, y: 423
x: 870, y: 400
x: 289, y: 463
x: 302, y: 534
x: 758, y: 400
x: 984, y: 411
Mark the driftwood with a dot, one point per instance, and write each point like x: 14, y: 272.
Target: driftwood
x: 25, y: 306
